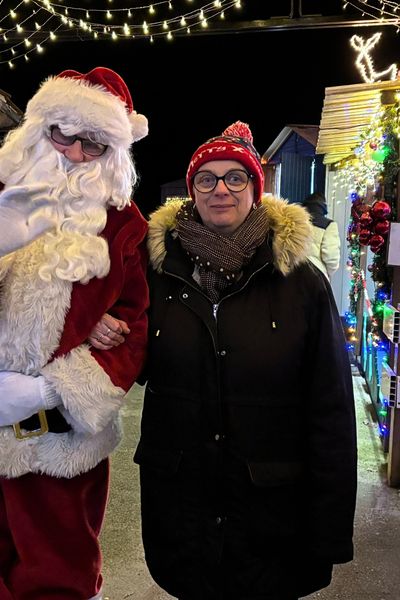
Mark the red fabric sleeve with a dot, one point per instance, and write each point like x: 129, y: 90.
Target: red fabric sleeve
x: 124, y: 363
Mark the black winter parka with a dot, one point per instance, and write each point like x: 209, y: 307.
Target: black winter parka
x: 247, y: 452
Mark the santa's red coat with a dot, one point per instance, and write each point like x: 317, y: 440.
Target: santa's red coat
x: 45, y: 327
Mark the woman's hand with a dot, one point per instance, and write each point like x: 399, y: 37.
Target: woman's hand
x: 108, y: 333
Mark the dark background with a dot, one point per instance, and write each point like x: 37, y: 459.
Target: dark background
x: 193, y: 87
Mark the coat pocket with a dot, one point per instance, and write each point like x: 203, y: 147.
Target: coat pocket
x: 161, y: 459
x: 275, y: 474
x: 272, y: 512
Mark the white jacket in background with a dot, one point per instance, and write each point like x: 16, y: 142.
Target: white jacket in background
x: 325, y: 249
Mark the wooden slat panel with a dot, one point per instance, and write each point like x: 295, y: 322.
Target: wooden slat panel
x: 347, y: 111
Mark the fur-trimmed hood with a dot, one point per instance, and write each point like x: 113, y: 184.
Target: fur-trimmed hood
x: 290, y: 224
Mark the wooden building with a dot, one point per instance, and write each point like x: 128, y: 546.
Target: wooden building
x: 10, y: 114
x: 358, y: 139
x: 292, y: 168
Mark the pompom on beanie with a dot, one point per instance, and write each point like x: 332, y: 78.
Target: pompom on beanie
x: 235, y: 143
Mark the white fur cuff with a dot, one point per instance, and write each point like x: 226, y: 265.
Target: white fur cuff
x: 90, y: 399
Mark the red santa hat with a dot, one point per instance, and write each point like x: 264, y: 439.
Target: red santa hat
x: 235, y: 143
x: 98, y: 101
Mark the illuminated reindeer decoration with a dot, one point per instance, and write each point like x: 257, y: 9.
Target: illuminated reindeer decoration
x: 364, y: 61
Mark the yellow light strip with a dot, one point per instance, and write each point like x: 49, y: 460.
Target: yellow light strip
x: 80, y: 19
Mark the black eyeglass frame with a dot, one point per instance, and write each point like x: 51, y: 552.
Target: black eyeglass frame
x: 73, y: 139
x: 250, y: 176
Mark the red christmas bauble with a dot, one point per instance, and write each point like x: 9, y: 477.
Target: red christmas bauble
x: 376, y: 242
x: 365, y: 219
x: 380, y: 210
x: 373, y: 145
x: 357, y: 209
x: 382, y: 227
x: 364, y: 236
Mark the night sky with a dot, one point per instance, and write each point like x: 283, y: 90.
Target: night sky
x: 268, y: 79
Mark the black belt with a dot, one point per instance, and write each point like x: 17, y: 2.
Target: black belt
x: 55, y: 420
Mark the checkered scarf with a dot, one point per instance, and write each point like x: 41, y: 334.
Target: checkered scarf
x: 220, y: 259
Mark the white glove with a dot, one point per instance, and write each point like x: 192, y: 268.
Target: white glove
x: 21, y: 396
x: 26, y: 212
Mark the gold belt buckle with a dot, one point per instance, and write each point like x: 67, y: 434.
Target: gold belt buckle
x: 44, y: 427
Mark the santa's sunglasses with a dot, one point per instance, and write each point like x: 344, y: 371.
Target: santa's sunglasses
x: 88, y: 146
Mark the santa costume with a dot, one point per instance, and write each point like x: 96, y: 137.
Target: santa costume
x: 59, y: 397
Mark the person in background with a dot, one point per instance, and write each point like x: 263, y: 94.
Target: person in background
x: 325, y: 250
x: 247, y: 450
x: 72, y: 247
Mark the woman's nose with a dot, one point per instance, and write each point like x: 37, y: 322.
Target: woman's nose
x: 221, y: 187
x: 74, y: 152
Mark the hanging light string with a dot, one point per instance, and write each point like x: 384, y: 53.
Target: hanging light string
x: 26, y: 46
x: 30, y: 34
x: 151, y: 7
x: 387, y: 13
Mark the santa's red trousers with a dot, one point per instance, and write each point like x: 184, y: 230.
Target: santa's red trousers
x: 49, y: 528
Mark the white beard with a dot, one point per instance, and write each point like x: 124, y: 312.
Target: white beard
x: 75, y: 252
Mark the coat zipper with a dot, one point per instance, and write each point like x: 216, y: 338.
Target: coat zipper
x: 215, y: 310
x: 216, y: 306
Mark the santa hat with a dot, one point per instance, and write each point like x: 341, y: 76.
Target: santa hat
x: 235, y: 143
x: 98, y: 101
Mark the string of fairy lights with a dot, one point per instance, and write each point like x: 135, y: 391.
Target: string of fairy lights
x: 385, y: 11
x: 372, y: 168
x: 30, y: 25
x: 368, y: 177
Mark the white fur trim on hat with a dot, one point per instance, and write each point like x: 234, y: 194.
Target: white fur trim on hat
x: 86, y: 107
x: 139, y: 125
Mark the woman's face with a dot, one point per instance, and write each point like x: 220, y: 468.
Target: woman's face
x: 222, y: 210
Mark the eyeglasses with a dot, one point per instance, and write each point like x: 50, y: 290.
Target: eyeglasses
x: 235, y: 180
x: 88, y: 146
